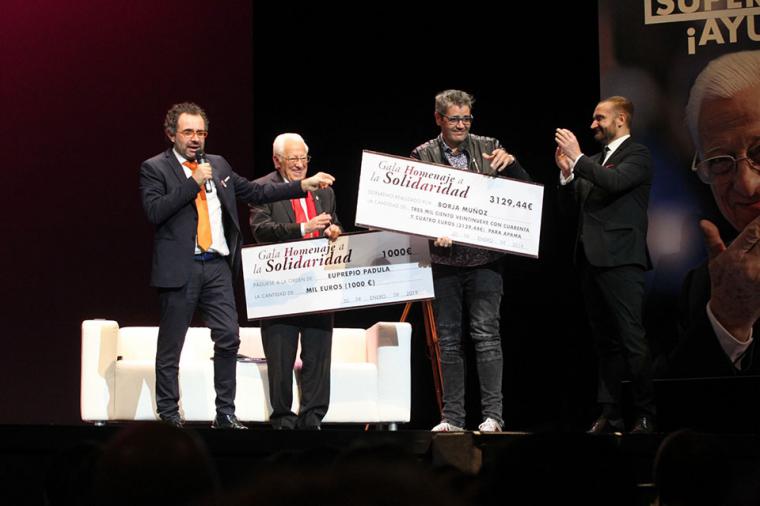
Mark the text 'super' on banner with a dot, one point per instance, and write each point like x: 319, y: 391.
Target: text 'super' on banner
x: 429, y: 200
x: 363, y: 269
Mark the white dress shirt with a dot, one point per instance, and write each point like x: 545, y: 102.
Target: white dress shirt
x: 302, y: 200
x: 612, y: 148
x: 218, y: 241
x: 734, y: 348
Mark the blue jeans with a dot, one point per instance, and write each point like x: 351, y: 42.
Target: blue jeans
x: 479, y: 290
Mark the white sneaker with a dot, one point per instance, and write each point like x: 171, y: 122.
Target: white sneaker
x: 489, y: 425
x: 446, y: 427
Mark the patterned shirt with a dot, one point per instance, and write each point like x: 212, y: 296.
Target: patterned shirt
x: 460, y: 160
x: 459, y: 255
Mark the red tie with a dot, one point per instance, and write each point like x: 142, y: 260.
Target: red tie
x: 311, y: 212
x: 204, y: 223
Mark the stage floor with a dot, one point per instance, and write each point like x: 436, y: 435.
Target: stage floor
x: 26, y: 452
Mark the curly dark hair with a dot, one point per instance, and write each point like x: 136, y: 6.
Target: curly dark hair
x: 173, y: 114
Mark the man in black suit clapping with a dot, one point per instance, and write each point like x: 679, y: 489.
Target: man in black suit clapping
x: 612, y: 190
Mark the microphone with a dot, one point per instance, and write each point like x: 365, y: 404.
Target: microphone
x: 200, y: 157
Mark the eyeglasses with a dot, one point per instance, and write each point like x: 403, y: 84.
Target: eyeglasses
x: 202, y: 134
x: 296, y: 159
x: 709, y: 169
x: 453, y: 120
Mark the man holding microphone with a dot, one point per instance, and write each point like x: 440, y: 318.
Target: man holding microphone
x: 197, y: 250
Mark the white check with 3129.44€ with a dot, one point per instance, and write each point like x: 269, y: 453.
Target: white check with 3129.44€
x: 430, y: 200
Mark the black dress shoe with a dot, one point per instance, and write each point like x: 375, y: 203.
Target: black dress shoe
x: 174, y: 421
x: 604, y: 425
x: 643, y: 425
x: 227, y: 422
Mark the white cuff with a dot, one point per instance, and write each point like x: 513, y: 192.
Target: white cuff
x: 733, y: 348
x: 562, y: 180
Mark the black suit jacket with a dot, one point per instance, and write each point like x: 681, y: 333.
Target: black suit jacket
x: 276, y: 221
x: 168, y: 198
x: 698, y: 352
x: 613, y: 202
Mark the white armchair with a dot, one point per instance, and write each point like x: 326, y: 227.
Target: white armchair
x: 370, y: 375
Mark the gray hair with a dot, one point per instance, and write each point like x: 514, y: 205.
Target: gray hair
x: 723, y: 77
x: 447, y: 98
x: 278, y: 146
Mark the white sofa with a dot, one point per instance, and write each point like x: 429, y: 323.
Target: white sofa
x: 370, y: 375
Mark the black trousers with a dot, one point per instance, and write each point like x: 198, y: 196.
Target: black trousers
x: 210, y: 290
x: 614, y: 298
x: 280, y: 339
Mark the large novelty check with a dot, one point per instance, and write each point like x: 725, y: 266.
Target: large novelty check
x: 406, y: 195
x: 364, y: 269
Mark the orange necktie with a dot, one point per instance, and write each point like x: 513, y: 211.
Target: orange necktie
x: 204, y: 223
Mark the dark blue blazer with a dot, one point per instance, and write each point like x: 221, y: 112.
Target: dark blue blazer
x: 276, y: 221
x: 168, y: 198
x: 698, y: 352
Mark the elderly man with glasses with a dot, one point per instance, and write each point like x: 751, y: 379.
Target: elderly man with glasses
x: 310, y: 216
x: 467, y: 277
x: 721, y: 304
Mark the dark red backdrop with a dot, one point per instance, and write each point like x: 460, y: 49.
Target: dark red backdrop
x: 84, y: 87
